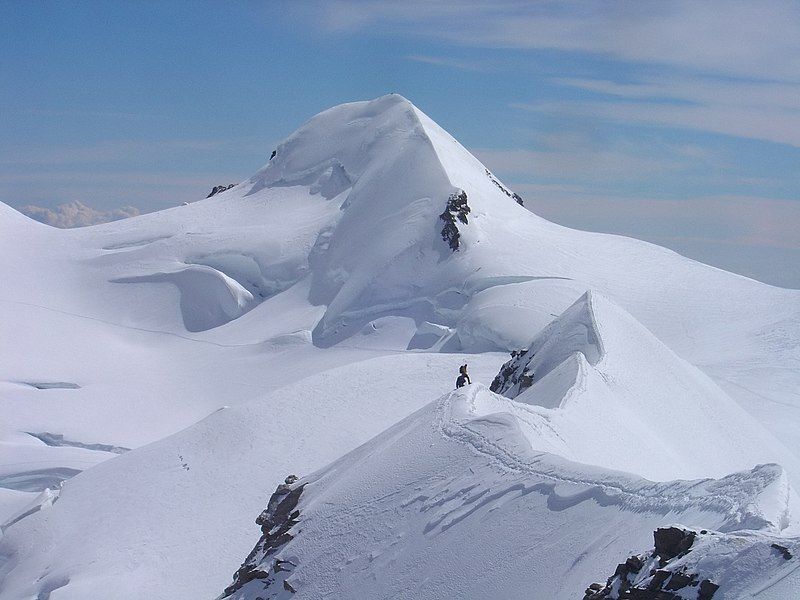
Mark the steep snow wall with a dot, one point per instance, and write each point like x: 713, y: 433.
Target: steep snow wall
x: 597, y: 387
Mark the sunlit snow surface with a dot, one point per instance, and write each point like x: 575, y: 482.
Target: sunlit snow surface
x: 278, y: 325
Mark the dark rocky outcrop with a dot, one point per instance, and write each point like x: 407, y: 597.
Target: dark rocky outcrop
x: 516, y: 197
x: 672, y: 542
x: 457, y: 210
x: 649, y: 576
x: 783, y: 550
x: 515, y: 372
x: 219, y: 188
x: 276, y: 522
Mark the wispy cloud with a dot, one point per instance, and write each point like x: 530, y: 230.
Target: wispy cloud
x: 453, y: 63
x: 764, y: 110
x: 110, y: 173
x: 696, y: 90
x: 779, y: 126
x: 137, y: 179
x: 146, y: 190
x: 76, y: 214
x: 737, y: 37
x: 89, y: 114
x: 585, y: 163
x: 730, y: 219
x: 576, y: 156
x: 349, y: 16
x: 109, y: 151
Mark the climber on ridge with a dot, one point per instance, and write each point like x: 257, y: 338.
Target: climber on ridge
x: 463, y: 378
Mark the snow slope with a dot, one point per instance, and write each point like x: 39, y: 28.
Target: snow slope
x: 329, y: 264
x: 454, y: 502
x: 184, y: 505
x: 596, y: 369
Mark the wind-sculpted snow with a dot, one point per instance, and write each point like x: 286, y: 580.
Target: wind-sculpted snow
x: 136, y: 243
x: 492, y: 426
x: 352, y: 200
x: 574, y: 332
x: 56, y: 439
x: 36, y: 480
x: 209, y: 298
x: 595, y: 369
x: 455, y: 490
x: 52, y: 385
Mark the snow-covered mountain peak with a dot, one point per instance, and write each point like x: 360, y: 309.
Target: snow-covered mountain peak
x: 379, y: 141
x: 391, y: 212
x: 349, y: 140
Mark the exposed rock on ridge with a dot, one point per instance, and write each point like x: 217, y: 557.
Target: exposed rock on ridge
x: 689, y: 565
x: 262, y: 569
x: 649, y: 576
x: 219, y: 188
x: 514, y: 372
x: 513, y: 195
x: 574, y: 332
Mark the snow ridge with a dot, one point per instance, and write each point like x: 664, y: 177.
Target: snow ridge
x: 372, y: 521
x: 595, y: 367
x: 759, y: 499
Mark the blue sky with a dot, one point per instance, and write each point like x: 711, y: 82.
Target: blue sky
x: 675, y: 122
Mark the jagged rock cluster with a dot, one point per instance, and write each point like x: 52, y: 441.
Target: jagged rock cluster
x: 516, y: 197
x: 515, y: 374
x: 456, y: 210
x: 219, y: 188
x: 783, y: 550
x: 649, y: 576
x: 261, y: 567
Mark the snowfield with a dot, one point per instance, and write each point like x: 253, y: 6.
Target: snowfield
x: 162, y: 374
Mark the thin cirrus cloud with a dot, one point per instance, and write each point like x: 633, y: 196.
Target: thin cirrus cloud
x: 719, y: 92
x: 766, y: 111
x: 777, y: 125
x: 109, y: 151
x: 737, y: 38
x: 108, y: 173
x: 444, y: 61
x: 131, y: 178
x: 573, y: 163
